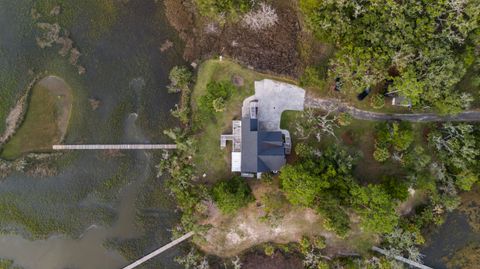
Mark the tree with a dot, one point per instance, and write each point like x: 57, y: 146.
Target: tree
x: 396, y: 135
x: 375, y: 207
x: 180, y: 78
x: 422, y: 46
x: 314, y: 124
x: 262, y: 18
x: 217, y: 94
x: 396, y: 188
x: 230, y: 195
x: 193, y: 260
x: 456, y: 145
x: 381, y: 154
x: 321, y: 180
x: 301, y: 186
x: 403, y: 243
x: 466, y: 180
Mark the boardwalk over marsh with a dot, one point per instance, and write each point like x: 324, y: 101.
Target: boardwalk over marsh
x: 115, y: 147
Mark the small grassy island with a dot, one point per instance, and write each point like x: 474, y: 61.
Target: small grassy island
x: 46, y: 119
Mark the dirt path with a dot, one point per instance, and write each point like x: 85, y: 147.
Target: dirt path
x: 329, y: 104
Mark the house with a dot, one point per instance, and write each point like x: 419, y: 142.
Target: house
x: 259, y: 145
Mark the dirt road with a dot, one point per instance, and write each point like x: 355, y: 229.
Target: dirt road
x: 329, y: 104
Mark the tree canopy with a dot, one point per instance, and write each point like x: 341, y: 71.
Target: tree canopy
x: 424, y: 47
x: 230, y: 195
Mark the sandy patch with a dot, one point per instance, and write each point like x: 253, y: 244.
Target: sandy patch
x: 231, y: 235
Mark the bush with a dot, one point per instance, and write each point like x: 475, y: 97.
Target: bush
x: 378, y: 101
x: 180, y: 78
x: 344, y: 119
x: 396, y: 135
x: 319, y: 242
x: 232, y: 194
x: 221, y: 9
x: 381, y: 154
x: 465, y: 181
x: 336, y: 219
x: 305, y: 244
x: 217, y: 94
x: 269, y: 250
x: 397, y: 189
x: 313, y: 77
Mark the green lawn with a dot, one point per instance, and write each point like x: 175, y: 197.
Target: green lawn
x: 210, y: 159
x: 40, y: 129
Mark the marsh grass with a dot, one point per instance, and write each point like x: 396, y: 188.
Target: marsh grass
x: 8, y: 264
x: 40, y: 129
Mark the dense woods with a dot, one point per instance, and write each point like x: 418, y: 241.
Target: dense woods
x: 421, y: 49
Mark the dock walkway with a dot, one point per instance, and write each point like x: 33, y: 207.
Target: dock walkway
x: 115, y: 146
x: 160, y: 250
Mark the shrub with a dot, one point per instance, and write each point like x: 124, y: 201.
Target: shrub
x: 305, y: 244
x: 221, y: 9
x: 269, y: 250
x: 378, y: 101
x: 336, y: 219
x: 397, y: 189
x: 232, y: 194
x: 180, y: 78
x: 344, y: 119
x: 402, y: 136
x: 465, y: 181
x: 396, y: 135
x: 381, y: 154
x: 313, y: 77
x: 319, y: 242
x: 217, y: 94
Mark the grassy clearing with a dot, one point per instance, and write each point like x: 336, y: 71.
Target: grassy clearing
x: 210, y: 158
x: 45, y: 122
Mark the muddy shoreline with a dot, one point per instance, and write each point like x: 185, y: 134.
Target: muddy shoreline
x: 274, y: 50
x: 17, y: 113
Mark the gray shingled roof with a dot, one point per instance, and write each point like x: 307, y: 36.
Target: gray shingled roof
x: 261, y: 151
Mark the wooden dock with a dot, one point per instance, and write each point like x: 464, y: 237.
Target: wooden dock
x: 160, y: 250
x: 115, y: 147
x: 402, y: 259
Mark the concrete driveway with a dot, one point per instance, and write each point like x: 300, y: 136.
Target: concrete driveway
x: 274, y: 98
